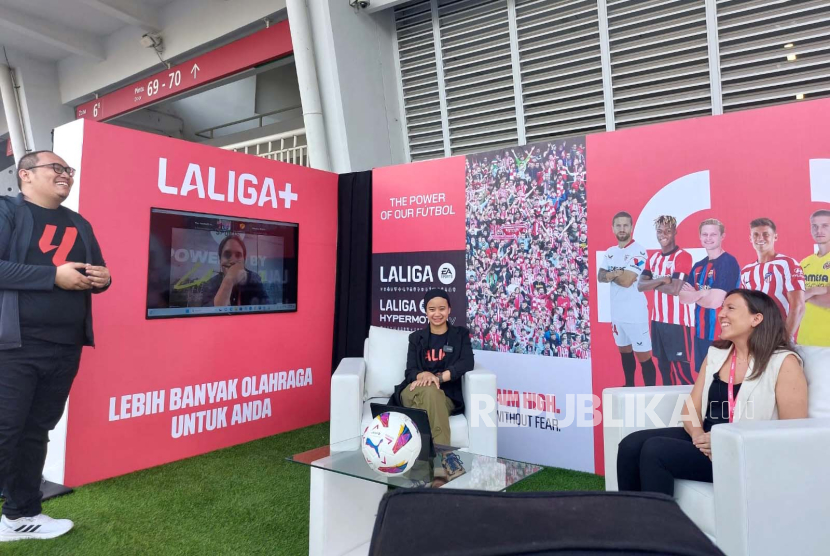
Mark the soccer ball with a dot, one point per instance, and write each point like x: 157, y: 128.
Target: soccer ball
x: 391, y: 443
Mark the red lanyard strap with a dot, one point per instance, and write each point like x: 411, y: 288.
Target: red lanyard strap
x: 730, y: 395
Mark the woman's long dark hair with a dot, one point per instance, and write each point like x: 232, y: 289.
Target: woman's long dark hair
x: 766, y: 338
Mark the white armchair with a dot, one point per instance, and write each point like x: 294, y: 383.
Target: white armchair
x: 771, y: 489
x: 359, y: 382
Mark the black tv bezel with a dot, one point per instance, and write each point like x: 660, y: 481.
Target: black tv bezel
x: 295, y: 225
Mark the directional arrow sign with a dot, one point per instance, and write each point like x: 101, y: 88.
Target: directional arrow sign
x: 246, y: 53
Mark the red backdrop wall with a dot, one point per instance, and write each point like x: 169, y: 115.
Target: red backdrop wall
x: 759, y: 165
x: 118, y: 186
x: 399, y: 202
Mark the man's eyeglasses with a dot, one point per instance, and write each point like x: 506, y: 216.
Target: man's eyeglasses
x: 57, y: 168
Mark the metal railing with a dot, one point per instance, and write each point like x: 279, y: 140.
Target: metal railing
x: 208, y: 133
x: 287, y: 147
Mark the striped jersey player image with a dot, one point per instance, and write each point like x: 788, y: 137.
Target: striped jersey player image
x: 671, y: 321
x: 621, y: 267
x: 815, y: 327
x: 706, y: 287
x: 777, y: 275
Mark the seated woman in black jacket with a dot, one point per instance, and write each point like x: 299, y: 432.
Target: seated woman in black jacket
x: 438, y: 357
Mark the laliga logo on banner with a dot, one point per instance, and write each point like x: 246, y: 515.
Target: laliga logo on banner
x: 417, y: 273
x: 242, y: 187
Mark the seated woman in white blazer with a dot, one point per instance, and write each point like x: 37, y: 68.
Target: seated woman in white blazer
x: 756, y: 357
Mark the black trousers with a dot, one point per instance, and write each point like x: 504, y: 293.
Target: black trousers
x: 651, y: 460
x: 34, y: 384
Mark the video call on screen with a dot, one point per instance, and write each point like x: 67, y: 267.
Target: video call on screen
x: 188, y: 275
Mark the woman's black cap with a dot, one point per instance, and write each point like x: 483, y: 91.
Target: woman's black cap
x: 436, y: 292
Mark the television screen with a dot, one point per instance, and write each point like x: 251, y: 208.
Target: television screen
x: 204, y: 264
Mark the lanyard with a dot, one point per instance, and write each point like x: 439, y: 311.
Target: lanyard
x: 730, y: 395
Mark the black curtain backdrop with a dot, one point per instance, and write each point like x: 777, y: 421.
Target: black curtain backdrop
x: 352, y: 313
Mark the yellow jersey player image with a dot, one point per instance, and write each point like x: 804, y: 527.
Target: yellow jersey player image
x: 815, y: 327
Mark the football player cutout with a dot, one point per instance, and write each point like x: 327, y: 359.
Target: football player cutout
x: 777, y: 275
x: 815, y: 327
x: 671, y: 321
x: 706, y: 287
x: 621, y: 268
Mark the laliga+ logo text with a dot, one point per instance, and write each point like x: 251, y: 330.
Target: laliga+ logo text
x: 245, y: 188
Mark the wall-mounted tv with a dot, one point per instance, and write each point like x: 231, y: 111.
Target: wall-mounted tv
x: 206, y: 264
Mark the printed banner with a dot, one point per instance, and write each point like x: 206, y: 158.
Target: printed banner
x: 527, y: 286
x: 507, y: 231
x: 544, y: 408
x: 692, y: 188
x: 669, y: 213
x: 154, y: 391
x: 518, y: 252
x: 418, y: 207
x: 400, y: 280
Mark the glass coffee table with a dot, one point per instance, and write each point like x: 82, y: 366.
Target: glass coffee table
x: 345, y: 491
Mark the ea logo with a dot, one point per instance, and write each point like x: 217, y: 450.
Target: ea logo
x: 446, y: 273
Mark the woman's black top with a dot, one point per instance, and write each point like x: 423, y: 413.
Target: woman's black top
x: 434, y: 356
x: 718, y: 411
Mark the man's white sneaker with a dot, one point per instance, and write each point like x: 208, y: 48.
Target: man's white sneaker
x: 37, y: 527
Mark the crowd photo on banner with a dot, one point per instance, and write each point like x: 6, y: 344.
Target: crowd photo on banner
x: 664, y: 304
x: 527, y: 250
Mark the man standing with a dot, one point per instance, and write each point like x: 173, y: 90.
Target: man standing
x: 621, y: 267
x: 50, y: 263
x: 815, y: 328
x: 671, y: 321
x: 778, y: 276
x: 706, y: 287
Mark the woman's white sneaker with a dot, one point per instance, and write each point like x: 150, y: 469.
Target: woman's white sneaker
x: 38, y: 527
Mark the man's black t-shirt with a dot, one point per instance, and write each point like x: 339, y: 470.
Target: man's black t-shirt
x: 435, y: 355
x: 57, y: 315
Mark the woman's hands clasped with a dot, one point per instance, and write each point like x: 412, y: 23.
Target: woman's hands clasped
x: 703, y: 442
x: 425, y: 379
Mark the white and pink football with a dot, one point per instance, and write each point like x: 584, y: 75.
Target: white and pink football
x: 391, y: 443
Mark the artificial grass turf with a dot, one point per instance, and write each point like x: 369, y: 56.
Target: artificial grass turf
x: 241, y: 500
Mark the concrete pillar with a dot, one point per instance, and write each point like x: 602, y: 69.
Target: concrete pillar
x: 12, y: 112
x: 318, y: 149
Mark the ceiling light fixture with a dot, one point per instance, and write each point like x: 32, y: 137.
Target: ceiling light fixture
x: 792, y: 57
x: 789, y: 45
x: 799, y: 96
